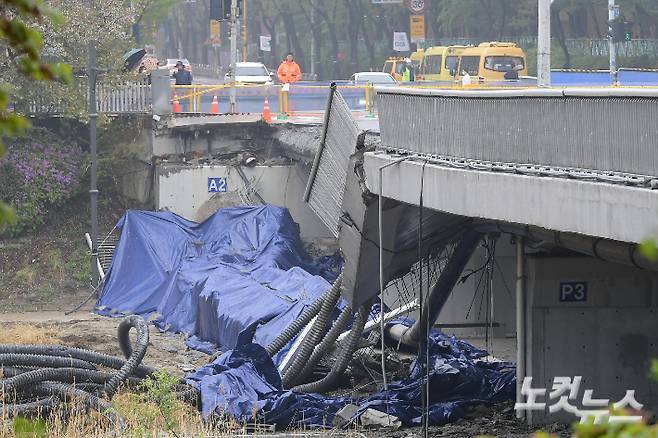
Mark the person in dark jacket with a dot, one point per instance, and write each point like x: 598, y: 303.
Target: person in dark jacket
x: 182, y: 76
x: 512, y: 74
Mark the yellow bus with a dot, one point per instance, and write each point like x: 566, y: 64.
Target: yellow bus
x: 490, y: 61
x: 395, y: 66
x: 440, y: 63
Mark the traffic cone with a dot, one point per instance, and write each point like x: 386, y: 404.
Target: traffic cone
x: 267, y: 115
x: 176, y: 104
x: 214, y: 107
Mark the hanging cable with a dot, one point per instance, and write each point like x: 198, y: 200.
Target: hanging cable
x: 423, y: 351
x: 381, y: 267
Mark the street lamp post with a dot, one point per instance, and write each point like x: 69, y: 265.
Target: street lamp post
x: 234, y: 52
x: 613, y: 13
x: 93, y: 190
x: 544, y: 44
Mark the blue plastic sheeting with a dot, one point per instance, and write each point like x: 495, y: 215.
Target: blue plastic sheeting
x: 602, y: 78
x: 241, y: 273
x: 245, y: 381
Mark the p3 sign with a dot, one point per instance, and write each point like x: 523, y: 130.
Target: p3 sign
x: 217, y: 185
x: 573, y: 292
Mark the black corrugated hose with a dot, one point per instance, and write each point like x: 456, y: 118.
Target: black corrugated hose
x: 302, y: 320
x: 37, y: 377
x: 327, y: 342
x: 351, y: 343
x: 311, y: 341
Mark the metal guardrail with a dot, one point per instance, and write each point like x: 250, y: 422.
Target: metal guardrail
x: 132, y: 97
x: 300, y: 97
x: 129, y: 97
x: 598, y: 129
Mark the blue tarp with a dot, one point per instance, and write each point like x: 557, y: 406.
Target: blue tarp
x: 242, y: 270
x: 245, y: 381
x: 234, y: 282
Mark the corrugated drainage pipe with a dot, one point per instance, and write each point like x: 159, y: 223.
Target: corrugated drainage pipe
x: 327, y: 342
x: 297, y: 325
x: 89, y: 356
x: 137, y: 353
x: 345, y: 357
x: 312, y: 340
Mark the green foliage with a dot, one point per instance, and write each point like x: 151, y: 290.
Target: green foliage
x: 24, y: 44
x: 160, y: 389
x: 649, y: 249
x: 26, y: 275
x: 77, y: 265
x: 151, y: 12
x: 654, y: 370
x: 26, y: 428
x: 36, y: 177
x: 615, y: 430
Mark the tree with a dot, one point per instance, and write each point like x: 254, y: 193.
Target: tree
x: 23, y: 44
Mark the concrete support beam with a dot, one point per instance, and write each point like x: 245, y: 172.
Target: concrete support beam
x: 597, y: 209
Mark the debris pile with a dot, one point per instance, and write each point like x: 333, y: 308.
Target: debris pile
x: 241, y: 283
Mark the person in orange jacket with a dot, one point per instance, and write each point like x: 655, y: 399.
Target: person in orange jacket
x: 289, y: 71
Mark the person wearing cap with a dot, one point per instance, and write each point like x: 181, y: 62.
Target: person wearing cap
x: 289, y: 71
x: 408, y: 74
x: 182, y: 76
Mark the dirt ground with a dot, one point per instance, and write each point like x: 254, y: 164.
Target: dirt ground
x: 49, y: 269
x: 86, y: 330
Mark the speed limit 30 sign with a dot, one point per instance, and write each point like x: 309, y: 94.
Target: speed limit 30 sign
x: 416, y: 6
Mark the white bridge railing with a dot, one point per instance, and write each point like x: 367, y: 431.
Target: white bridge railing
x: 129, y: 97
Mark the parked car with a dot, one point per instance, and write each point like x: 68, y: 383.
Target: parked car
x: 170, y: 64
x: 378, y: 79
x: 252, y: 73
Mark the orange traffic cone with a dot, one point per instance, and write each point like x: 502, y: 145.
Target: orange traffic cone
x: 267, y: 116
x: 214, y: 107
x: 176, y: 104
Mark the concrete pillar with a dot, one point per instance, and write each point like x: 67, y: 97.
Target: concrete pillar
x: 520, y: 322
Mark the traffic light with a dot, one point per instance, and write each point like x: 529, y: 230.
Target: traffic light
x: 220, y: 10
x: 628, y: 30
x: 620, y: 30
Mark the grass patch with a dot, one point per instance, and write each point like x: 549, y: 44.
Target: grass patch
x: 54, y: 262
x: 78, y: 265
x: 46, y: 291
x: 26, y: 275
x: 23, y: 333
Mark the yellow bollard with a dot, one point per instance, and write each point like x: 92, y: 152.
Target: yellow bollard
x: 285, y: 102
x: 191, y: 99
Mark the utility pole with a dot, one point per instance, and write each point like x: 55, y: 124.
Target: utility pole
x: 544, y: 44
x: 234, y: 52
x: 613, y: 13
x: 312, y: 42
x: 93, y: 190
x: 245, y: 35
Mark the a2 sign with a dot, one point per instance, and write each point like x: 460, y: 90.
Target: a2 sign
x: 217, y: 185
